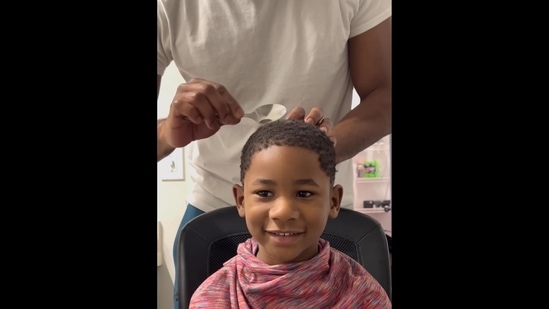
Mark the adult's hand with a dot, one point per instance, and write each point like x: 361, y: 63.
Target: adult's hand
x: 198, y: 111
x: 314, y: 117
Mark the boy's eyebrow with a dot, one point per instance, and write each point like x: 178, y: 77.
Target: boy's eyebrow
x: 261, y: 181
x: 307, y: 181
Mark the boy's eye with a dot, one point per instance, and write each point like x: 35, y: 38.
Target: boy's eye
x: 264, y: 193
x: 304, y: 194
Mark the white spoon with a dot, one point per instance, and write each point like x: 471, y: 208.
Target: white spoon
x: 267, y: 113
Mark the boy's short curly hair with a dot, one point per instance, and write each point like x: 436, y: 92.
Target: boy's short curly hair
x: 291, y: 133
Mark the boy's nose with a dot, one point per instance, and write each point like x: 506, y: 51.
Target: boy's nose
x: 283, y: 209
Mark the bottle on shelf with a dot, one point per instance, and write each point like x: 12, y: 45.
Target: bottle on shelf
x: 372, y: 182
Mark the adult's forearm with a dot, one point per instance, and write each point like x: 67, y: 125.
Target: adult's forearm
x: 162, y: 147
x: 364, y: 125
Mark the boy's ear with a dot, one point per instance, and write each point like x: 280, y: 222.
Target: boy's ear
x: 335, y: 201
x: 238, y: 193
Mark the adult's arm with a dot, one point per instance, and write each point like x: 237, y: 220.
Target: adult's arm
x: 370, y: 66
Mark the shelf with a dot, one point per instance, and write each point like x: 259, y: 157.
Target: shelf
x: 371, y: 210
x: 369, y: 180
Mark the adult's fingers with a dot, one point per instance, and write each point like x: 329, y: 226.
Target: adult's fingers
x: 236, y: 111
x: 211, y: 100
x: 314, y: 116
x: 225, y: 105
x: 325, y: 125
x: 297, y: 113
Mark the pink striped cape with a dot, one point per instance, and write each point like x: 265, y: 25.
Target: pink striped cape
x: 331, y: 280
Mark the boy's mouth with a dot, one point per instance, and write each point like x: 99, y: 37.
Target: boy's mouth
x: 284, y: 234
x: 284, y: 238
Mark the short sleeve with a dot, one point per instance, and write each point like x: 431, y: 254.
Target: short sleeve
x: 369, y: 14
x: 163, y: 44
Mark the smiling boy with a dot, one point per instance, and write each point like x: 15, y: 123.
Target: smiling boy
x: 286, y: 197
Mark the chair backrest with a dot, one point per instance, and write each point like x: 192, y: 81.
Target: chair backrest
x: 209, y: 240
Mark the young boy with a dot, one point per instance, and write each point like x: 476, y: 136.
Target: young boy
x: 287, y: 195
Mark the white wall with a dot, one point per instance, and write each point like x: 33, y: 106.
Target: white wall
x: 171, y: 199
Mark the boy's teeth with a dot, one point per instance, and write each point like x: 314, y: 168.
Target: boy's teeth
x: 285, y: 234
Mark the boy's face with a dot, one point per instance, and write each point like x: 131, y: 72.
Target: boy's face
x: 285, y: 191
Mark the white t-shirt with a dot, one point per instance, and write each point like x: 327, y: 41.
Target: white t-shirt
x: 292, y: 52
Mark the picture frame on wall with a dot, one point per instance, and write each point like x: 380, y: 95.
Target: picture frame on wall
x: 172, y: 167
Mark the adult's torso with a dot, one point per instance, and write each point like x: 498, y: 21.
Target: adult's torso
x: 285, y: 51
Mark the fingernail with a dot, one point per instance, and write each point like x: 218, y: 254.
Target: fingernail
x: 239, y: 113
x: 229, y: 119
x: 310, y: 120
x: 324, y: 129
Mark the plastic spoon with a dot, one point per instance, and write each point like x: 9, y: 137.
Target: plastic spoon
x: 267, y: 113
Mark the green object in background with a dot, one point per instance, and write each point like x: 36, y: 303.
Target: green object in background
x: 371, y: 169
